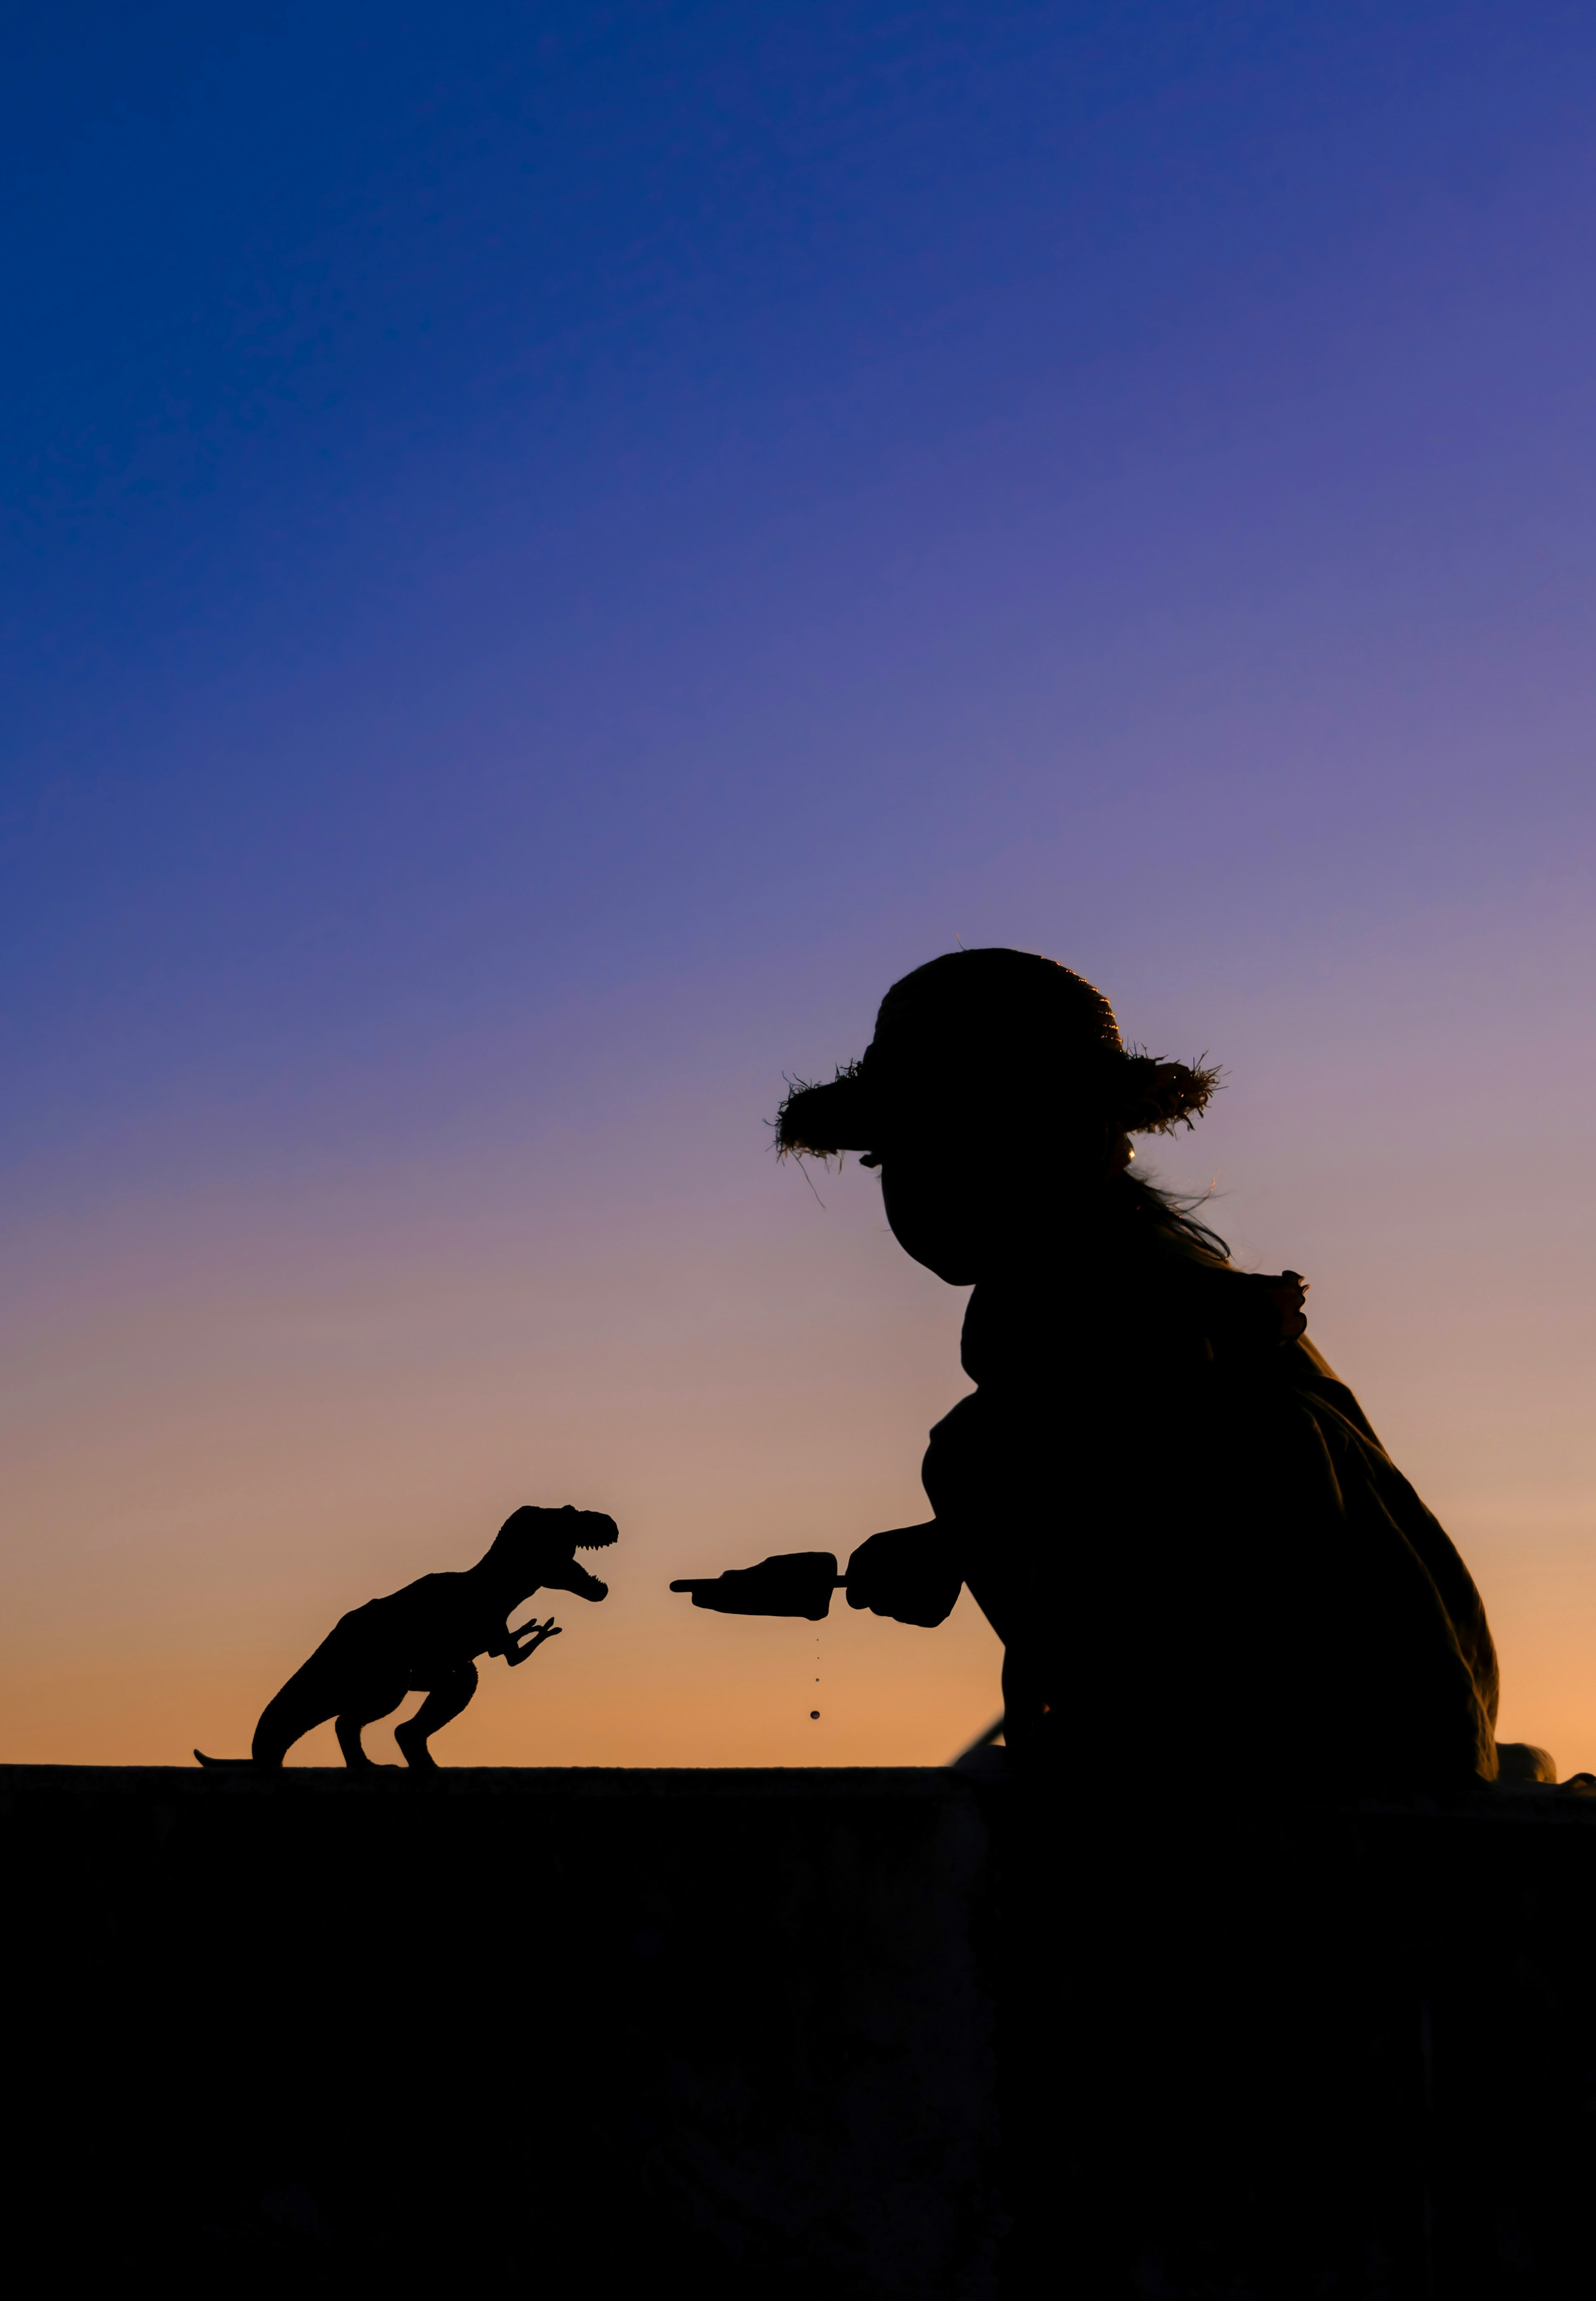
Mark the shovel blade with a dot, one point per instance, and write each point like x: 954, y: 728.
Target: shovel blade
x: 799, y: 1582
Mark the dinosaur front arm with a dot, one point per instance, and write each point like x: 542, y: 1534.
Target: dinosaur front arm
x: 534, y: 1632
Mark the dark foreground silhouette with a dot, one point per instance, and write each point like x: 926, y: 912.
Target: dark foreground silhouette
x: 425, y: 1639
x: 1198, y: 1554
x: 853, y: 2034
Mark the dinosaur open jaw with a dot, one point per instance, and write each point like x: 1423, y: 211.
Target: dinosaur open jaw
x: 531, y: 1532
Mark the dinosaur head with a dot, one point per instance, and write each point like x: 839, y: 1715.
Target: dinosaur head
x: 537, y: 1548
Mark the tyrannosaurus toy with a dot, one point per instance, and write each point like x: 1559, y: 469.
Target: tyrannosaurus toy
x: 425, y: 1639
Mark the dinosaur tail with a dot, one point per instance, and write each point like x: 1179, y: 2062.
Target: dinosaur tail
x: 222, y: 1761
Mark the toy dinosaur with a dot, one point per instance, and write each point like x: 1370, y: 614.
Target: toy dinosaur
x: 425, y: 1639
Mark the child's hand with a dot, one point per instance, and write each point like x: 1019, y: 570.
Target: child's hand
x: 1289, y: 1293
x: 905, y: 1574
x: 1253, y: 1310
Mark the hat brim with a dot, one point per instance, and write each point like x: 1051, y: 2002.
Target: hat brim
x: 825, y: 1121
x: 1130, y: 1090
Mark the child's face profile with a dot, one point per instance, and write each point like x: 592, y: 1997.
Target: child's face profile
x: 967, y: 1212
x: 938, y: 1207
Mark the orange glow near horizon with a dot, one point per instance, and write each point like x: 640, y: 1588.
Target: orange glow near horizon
x: 232, y: 1419
x: 213, y: 1470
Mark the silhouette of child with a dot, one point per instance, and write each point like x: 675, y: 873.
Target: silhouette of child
x: 1193, y: 1546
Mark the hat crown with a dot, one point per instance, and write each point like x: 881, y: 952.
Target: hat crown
x: 983, y: 1037
x: 1011, y: 1001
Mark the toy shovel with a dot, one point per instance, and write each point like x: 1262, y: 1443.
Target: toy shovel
x: 799, y: 1582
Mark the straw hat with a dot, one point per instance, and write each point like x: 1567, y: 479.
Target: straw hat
x: 979, y: 1037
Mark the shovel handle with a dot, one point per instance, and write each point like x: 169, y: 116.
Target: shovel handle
x: 711, y: 1581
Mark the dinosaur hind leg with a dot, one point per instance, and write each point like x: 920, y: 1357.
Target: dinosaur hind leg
x: 317, y: 1690
x: 446, y: 1700
x: 362, y: 1707
x: 350, y: 1723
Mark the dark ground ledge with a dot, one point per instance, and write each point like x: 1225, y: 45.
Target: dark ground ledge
x: 877, y: 2033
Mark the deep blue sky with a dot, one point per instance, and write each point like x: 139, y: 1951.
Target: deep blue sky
x: 509, y: 499
x: 552, y: 552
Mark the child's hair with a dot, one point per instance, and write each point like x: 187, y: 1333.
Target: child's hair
x: 1172, y: 1215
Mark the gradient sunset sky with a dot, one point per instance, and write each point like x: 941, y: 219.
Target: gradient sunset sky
x: 552, y: 552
